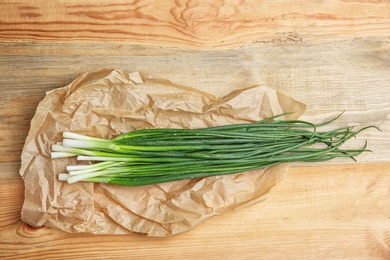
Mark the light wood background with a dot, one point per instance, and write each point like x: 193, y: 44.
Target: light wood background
x: 331, y: 55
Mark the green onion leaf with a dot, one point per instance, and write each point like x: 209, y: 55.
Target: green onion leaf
x: 150, y: 156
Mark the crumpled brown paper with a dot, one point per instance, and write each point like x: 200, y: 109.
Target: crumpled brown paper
x: 111, y: 102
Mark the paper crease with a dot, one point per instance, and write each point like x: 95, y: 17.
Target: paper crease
x: 108, y: 103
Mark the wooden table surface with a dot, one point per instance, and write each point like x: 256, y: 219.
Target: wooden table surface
x: 331, y: 55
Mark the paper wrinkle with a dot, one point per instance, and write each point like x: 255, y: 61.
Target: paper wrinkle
x: 108, y: 103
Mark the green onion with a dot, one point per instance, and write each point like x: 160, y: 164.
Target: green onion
x: 150, y: 156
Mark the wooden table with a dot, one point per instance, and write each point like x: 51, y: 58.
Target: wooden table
x: 331, y: 55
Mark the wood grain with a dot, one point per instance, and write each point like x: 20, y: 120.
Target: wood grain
x: 191, y: 23
x: 339, y: 211
x: 332, y: 55
x: 327, y: 212
x: 350, y: 75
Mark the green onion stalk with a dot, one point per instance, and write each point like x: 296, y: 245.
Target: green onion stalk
x: 151, y: 156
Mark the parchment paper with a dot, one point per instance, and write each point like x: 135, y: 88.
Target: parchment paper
x: 108, y: 103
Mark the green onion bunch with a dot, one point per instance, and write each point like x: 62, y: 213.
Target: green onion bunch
x: 150, y: 156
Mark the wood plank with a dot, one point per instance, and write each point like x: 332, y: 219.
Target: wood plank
x: 328, y: 212
x: 198, y: 24
x: 349, y: 75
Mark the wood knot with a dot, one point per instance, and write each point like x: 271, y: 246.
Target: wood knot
x: 26, y: 230
x: 208, y: 20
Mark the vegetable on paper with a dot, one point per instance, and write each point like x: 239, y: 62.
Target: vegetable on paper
x: 158, y: 155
